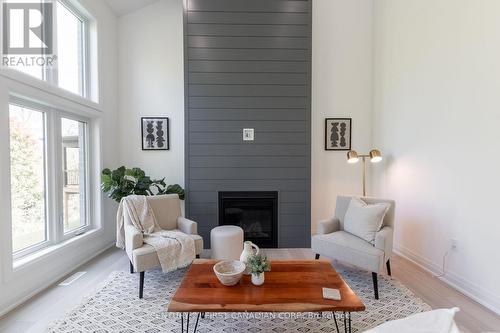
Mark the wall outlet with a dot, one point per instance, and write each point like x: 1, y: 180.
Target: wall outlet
x: 454, y: 244
x: 248, y: 134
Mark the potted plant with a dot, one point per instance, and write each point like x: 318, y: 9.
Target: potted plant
x: 122, y: 182
x: 258, y: 264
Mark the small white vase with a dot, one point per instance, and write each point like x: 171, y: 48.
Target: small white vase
x: 258, y: 279
x: 247, y: 252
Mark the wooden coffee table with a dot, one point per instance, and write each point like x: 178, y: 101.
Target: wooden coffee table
x: 291, y: 286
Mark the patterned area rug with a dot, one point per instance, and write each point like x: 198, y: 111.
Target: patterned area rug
x: 115, y: 307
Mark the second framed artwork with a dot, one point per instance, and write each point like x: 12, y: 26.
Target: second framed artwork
x: 155, y: 133
x: 338, y: 134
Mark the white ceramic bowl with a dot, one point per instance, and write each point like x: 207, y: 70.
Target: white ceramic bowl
x: 229, y: 272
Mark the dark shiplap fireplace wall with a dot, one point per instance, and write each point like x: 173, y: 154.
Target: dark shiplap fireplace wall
x: 248, y: 65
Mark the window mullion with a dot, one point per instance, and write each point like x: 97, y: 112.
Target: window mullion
x: 86, y: 60
x: 52, y: 72
x: 83, y: 174
x: 51, y: 186
x: 56, y: 221
x: 81, y: 59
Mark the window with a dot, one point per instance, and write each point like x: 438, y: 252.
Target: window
x: 70, y: 49
x: 74, y: 174
x: 47, y: 207
x: 27, y: 177
x: 70, y: 43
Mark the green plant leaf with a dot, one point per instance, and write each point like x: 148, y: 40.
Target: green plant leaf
x: 143, y: 184
x: 122, y: 182
x: 177, y: 189
x: 258, y: 264
x: 118, y: 174
x: 135, y: 172
x: 106, y: 182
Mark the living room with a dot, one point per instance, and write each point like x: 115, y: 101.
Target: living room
x: 313, y: 115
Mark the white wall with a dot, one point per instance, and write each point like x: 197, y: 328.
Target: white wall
x: 19, y: 285
x: 437, y: 116
x: 151, y: 83
x: 341, y: 87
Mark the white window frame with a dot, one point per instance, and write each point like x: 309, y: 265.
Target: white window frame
x: 50, y: 74
x: 54, y: 176
x: 48, y: 166
x: 85, y: 227
x: 84, y: 44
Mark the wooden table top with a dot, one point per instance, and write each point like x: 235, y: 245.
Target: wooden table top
x: 291, y: 286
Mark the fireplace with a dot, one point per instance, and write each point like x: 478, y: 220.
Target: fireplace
x: 255, y: 212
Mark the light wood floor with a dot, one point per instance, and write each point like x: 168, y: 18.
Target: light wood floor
x: 36, y: 314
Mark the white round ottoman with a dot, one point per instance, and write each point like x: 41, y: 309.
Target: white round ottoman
x: 226, y: 242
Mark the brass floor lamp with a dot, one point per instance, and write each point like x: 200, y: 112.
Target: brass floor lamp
x: 353, y: 157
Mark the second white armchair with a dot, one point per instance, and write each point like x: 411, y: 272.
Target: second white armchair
x: 334, y: 242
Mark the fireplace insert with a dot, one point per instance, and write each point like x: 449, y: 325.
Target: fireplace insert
x: 255, y: 212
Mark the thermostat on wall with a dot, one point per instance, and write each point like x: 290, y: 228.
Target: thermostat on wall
x: 248, y: 134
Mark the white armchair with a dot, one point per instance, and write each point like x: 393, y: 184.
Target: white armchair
x: 167, y: 210
x: 332, y: 241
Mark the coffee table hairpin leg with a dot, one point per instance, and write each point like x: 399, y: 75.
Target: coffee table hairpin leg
x: 346, y: 315
x: 188, y: 314
x: 347, y: 322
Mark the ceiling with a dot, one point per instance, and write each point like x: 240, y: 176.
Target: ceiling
x: 123, y: 7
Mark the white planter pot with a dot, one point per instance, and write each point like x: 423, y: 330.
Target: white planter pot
x: 258, y: 279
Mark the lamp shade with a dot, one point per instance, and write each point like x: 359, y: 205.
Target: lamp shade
x: 352, y: 156
x: 375, y: 156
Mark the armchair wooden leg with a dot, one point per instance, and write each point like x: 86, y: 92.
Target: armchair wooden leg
x: 317, y: 256
x: 131, y: 268
x: 141, y: 284
x: 375, y: 284
x: 388, y: 265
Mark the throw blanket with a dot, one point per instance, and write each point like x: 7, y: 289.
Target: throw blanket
x: 175, y: 249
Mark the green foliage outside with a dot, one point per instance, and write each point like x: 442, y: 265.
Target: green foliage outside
x: 122, y: 182
x: 27, y: 187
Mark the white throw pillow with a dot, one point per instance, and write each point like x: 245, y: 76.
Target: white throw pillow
x: 364, y: 220
x: 436, y: 321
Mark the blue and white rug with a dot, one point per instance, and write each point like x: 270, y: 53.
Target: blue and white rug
x: 115, y: 308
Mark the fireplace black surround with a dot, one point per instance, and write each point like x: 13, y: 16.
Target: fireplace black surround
x: 255, y: 212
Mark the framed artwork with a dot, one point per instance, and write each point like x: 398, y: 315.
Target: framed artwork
x: 155, y: 133
x: 338, y: 134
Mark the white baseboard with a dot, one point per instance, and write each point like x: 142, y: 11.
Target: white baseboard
x: 466, y: 287
x: 51, y: 282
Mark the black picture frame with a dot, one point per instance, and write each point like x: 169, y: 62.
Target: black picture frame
x: 329, y: 144
x: 152, y: 141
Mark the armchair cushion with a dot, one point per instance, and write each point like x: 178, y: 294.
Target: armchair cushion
x: 133, y: 239
x: 328, y: 226
x: 364, y: 220
x: 383, y: 241
x: 348, y: 248
x: 166, y: 208
x: 187, y: 226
